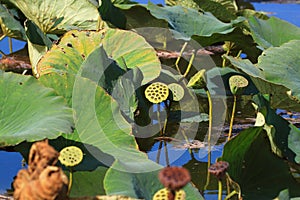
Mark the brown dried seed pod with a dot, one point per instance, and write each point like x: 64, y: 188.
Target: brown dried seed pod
x: 219, y: 169
x: 174, y: 178
x: 41, y: 181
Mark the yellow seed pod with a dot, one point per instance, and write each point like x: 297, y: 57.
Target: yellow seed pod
x: 237, y: 83
x: 162, y: 194
x: 157, y: 92
x: 70, y: 156
x: 180, y: 195
x: 177, y: 90
x: 198, y: 80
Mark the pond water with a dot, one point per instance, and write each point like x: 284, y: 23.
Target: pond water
x: 195, y: 160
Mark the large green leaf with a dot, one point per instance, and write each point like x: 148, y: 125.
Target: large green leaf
x: 139, y: 185
x: 59, y: 16
x: 285, y: 136
x: 9, y: 25
x: 272, y: 32
x: 190, y: 22
x: 260, y: 173
x: 30, y: 111
x: 278, y: 66
x: 127, y: 48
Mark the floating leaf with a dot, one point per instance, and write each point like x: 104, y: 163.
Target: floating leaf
x: 157, y: 92
x: 30, y: 111
x: 70, y: 156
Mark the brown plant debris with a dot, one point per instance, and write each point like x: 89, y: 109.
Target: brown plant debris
x: 42, y: 180
x: 174, y: 178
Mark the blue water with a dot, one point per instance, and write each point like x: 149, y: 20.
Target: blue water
x: 288, y: 12
x: 10, y: 162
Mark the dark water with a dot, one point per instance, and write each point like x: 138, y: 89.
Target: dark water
x: 11, y: 162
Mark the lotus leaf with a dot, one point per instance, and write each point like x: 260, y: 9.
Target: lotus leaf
x: 59, y: 16
x: 272, y: 32
x: 30, y: 111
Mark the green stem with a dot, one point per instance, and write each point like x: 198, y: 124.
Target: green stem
x: 231, y: 195
x: 10, y: 45
x: 209, y: 137
x: 70, y: 181
x: 232, y: 117
x: 180, y: 55
x: 190, y: 65
x: 220, y: 189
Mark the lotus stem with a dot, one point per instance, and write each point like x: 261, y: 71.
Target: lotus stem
x: 231, y: 195
x: 10, y: 45
x: 219, y: 189
x: 180, y: 55
x: 158, y: 152
x: 1, y: 37
x: 70, y: 180
x: 166, y: 154
x: 190, y: 65
x: 232, y: 117
x: 209, y: 136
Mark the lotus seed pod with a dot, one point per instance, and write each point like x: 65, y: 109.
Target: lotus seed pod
x: 177, y: 91
x: 70, y: 156
x: 157, y: 92
x: 163, y: 194
x: 237, y: 83
x: 198, y: 80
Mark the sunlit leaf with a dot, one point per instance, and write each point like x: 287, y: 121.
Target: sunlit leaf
x: 190, y: 22
x: 60, y: 16
x: 30, y: 111
x: 272, y: 32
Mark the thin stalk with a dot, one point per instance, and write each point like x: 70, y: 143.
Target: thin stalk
x: 219, y: 189
x: 1, y: 37
x: 166, y: 154
x: 209, y: 137
x: 190, y: 65
x: 158, y: 152
x: 70, y: 181
x: 180, y: 55
x: 227, y: 53
x: 167, y: 108
x: 2, y: 54
x: 231, y: 195
x: 158, y: 119
x: 10, y: 45
x: 232, y: 117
